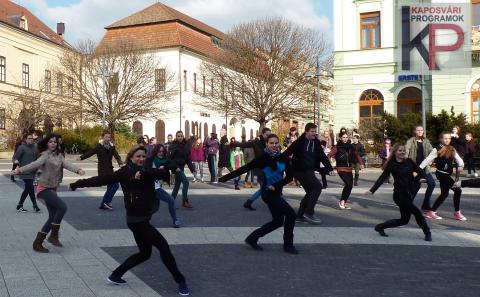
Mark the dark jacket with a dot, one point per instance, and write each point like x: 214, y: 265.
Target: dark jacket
x: 263, y: 163
x: 25, y: 154
x: 139, y: 194
x: 224, y: 153
x: 459, y: 144
x: 402, y: 173
x: 470, y: 148
x: 104, y: 156
x: 179, y: 155
x: 345, y: 154
x: 297, y: 150
x: 258, y: 145
x: 359, y: 148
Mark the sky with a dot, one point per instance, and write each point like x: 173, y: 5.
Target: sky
x: 86, y: 19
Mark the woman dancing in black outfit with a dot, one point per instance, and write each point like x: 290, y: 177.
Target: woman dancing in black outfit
x: 139, y: 196
x: 272, y: 164
x: 402, y: 170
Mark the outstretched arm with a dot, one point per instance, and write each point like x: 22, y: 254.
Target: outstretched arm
x: 429, y: 159
x: 386, y: 172
x: 97, y: 181
x: 256, y: 163
x: 34, y: 165
x: 89, y: 153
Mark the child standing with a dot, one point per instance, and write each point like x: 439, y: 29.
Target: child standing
x: 384, y: 153
x: 323, y: 170
x: 470, y: 150
x: 237, y: 161
x: 197, y: 155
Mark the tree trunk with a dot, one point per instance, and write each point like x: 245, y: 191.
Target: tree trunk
x: 111, y: 128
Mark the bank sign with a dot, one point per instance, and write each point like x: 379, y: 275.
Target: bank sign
x: 434, y: 38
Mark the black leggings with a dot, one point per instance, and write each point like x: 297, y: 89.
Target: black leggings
x: 28, y: 190
x: 404, y: 200
x: 147, y: 236
x: 347, y: 178
x: 282, y: 215
x: 446, y: 183
x: 313, y: 189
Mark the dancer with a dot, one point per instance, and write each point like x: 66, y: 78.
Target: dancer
x: 272, y: 165
x: 307, y: 155
x: 417, y: 148
x: 345, y: 155
x: 159, y: 160
x: 105, y: 151
x: 139, y: 195
x: 197, y: 155
x: 179, y: 156
x: 360, y: 149
x: 444, y: 155
x: 51, y: 162
x: 470, y: 151
x: 224, y: 155
x: 25, y: 154
x: 402, y: 170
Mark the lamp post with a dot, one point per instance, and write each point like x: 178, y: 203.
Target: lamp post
x: 317, y: 75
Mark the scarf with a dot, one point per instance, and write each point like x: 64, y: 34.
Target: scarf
x: 135, y: 168
x: 159, y: 162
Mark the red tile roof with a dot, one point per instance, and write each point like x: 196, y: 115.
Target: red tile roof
x: 10, y: 14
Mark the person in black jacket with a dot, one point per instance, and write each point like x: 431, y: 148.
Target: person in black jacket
x: 307, y: 154
x: 179, y: 156
x: 402, y: 170
x: 139, y: 196
x: 105, y: 151
x: 272, y: 164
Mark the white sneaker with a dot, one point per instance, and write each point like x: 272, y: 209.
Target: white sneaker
x: 194, y: 180
x: 475, y: 174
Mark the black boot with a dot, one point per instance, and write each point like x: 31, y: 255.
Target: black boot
x: 428, y: 236
x: 248, y: 205
x: 381, y: 231
x: 290, y: 249
x: 355, y: 181
x: 253, y: 243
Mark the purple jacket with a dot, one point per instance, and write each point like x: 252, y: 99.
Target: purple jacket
x: 212, y: 146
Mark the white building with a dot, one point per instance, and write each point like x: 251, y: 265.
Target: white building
x: 181, y: 44
x: 28, y: 51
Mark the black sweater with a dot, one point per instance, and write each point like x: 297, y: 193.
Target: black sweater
x: 179, y: 155
x: 139, y: 194
x: 298, y: 149
x: 104, y: 156
x: 402, y: 173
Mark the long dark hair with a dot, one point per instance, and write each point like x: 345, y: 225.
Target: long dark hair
x: 132, y: 151
x: 157, y: 148
x: 43, y: 144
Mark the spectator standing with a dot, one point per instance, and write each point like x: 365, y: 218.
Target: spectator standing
x: 18, y: 143
x: 248, y: 156
x: 197, y: 155
x: 384, y: 153
x: 236, y: 161
x: 458, y: 141
x: 212, y: 144
x: 224, y: 155
x: 470, y: 150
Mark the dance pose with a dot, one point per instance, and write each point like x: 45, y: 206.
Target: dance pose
x: 51, y: 162
x: 417, y: 148
x: 179, y: 156
x: 402, y: 170
x: 158, y: 160
x: 345, y: 155
x: 137, y: 183
x: 105, y: 151
x: 272, y: 165
x: 444, y: 155
x: 25, y: 154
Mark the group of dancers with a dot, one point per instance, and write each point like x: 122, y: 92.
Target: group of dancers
x: 140, y: 178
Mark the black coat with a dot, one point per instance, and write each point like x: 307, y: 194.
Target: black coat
x: 297, y: 150
x: 224, y: 153
x: 258, y: 145
x: 139, y: 194
x: 104, y: 157
x: 179, y: 155
x: 459, y: 144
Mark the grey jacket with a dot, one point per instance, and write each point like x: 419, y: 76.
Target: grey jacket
x: 411, y: 150
x: 25, y: 154
x: 52, y: 165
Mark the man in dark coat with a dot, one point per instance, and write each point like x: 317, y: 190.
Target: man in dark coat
x: 307, y: 153
x: 105, y: 151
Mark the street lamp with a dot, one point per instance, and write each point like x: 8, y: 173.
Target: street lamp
x: 317, y: 75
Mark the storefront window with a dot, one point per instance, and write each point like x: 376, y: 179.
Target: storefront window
x: 409, y: 100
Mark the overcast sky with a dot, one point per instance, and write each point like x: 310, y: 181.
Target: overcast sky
x: 86, y: 19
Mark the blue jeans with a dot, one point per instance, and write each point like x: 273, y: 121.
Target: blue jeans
x: 212, y: 167
x: 109, y: 193
x: 161, y: 194
x: 428, y: 192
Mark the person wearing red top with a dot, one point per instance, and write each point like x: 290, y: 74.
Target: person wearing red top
x: 197, y: 155
x: 345, y: 155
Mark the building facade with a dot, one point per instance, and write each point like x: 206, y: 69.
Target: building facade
x: 29, y: 50
x: 365, y: 70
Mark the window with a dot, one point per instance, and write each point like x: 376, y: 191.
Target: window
x: 409, y: 100
x: 216, y: 42
x: 194, y: 82
x: 185, y: 80
x: 371, y: 107
x: 160, y: 80
x: 48, y: 81
x: 475, y: 102
x: 476, y: 13
x: 2, y: 119
x: 203, y: 90
x: 70, y: 87
x: 59, y: 83
x: 25, y: 75
x: 370, y: 30
x: 3, y: 70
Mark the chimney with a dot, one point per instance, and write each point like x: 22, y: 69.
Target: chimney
x: 61, y: 29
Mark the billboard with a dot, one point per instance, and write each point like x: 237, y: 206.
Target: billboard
x: 434, y: 38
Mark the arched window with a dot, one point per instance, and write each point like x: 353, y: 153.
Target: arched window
x: 214, y: 129
x: 244, y: 132
x: 475, y: 102
x: 187, y: 129
x: 160, y: 131
x: 371, y: 107
x: 251, y: 134
x: 409, y: 100
x: 137, y: 128
x: 205, y: 130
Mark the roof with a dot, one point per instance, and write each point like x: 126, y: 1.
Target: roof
x: 160, y: 13
x: 11, y: 13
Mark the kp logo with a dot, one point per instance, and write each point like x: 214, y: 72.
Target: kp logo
x: 445, y: 26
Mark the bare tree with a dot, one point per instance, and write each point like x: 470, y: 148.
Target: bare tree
x: 260, y: 71
x: 117, y: 82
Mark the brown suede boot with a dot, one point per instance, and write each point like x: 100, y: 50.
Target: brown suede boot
x: 37, y: 243
x: 53, y: 238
